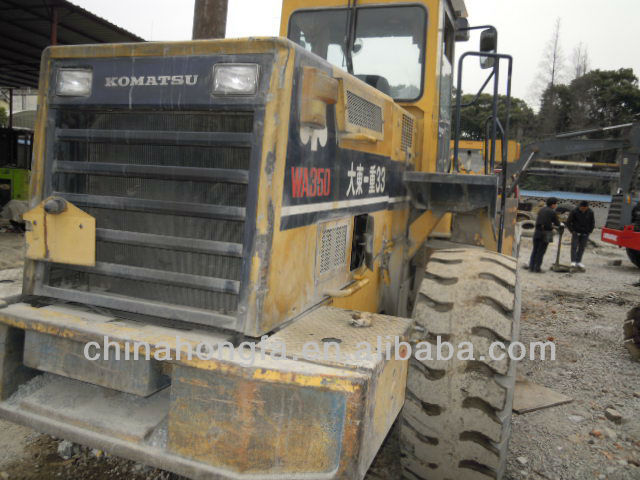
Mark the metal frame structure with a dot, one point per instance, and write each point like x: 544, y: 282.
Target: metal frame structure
x: 564, y: 145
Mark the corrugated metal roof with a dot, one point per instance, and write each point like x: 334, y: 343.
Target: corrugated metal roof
x: 25, y: 30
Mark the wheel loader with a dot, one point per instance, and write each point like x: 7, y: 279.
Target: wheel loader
x: 246, y: 200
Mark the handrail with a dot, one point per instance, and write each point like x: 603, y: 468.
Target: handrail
x: 494, y: 128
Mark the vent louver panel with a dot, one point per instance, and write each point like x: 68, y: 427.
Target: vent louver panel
x: 407, y: 133
x: 333, y: 249
x: 363, y: 113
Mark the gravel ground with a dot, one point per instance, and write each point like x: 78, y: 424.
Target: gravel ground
x: 582, y: 313
x: 11, y: 250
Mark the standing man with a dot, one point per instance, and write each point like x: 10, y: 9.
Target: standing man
x: 543, y: 235
x: 635, y: 216
x: 581, y: 223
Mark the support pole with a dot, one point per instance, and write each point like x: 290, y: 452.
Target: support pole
x: 209, y: 19
x: 505, y: 158
x: 54, y: 25
x: 10, y: 108
x: 12, y: 137
x: 494, y: 118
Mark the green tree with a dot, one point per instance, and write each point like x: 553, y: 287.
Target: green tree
x: 473, y: 119
x: 599, y: 98
x: 604, y: 97
x: 555, y: 105
x: 4, y: 119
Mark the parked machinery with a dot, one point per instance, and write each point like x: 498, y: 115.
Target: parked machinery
x: 623, y: 222
x: 15, y: 158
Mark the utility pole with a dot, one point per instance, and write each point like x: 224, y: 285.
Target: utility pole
x: 209, y: 19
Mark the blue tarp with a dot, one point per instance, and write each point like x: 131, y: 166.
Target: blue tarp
x: 590, y: 197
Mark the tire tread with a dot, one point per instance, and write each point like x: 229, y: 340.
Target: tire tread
x: 466, y: 295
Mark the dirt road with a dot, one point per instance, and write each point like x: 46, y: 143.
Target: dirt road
x: 583, y: 315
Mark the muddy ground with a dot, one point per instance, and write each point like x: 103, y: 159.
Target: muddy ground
x: 582, y: 313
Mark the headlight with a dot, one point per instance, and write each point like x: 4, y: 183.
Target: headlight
x: 74, y: 82
x: 235, y: 79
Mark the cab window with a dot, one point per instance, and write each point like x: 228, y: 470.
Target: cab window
x: 389, y: 47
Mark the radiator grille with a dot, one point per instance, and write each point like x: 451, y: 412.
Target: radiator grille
x: 152, y: 189
x: 363, y: 113
x: 158, y: 120
x: 168, y: 191
x: 163, y: 155
x: 333, y: 248
x: 66, y: 278
x: 169, y: 225
x: 407, y: 133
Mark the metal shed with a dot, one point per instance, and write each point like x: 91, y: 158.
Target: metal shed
x: 29, y: 26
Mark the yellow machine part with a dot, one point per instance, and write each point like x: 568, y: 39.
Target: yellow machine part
x: 67, y: 237
x: 227, y: 416
x: 478, y: 147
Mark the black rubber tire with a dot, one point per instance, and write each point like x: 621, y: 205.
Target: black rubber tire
x: 456, y: 421
x: 634, y: 256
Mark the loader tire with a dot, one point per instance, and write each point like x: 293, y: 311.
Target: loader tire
x: 631, y: 330
x: 456, y: 420
x: 634, y: 256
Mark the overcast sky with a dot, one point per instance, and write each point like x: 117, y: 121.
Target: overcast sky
x: 608, y: 29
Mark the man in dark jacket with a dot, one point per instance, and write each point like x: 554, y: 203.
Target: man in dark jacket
x: 543, y: 234
x: 581, y: 223
x: 635, y: 217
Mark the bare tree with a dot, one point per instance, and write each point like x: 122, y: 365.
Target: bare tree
x: 551, y: 69
x: 209, y: 19
x: 552, y: 66
x: 580, y: 60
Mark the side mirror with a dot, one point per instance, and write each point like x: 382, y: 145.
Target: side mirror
x: 488, y: 44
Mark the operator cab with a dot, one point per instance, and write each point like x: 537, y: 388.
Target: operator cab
x: 405, y: 50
